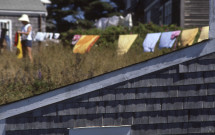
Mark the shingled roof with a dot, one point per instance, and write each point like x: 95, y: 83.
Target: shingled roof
x: 170, y: 94
x: 109, y: 79
x: 18, y: 6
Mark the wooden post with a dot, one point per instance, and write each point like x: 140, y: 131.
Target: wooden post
x: 212, y: 19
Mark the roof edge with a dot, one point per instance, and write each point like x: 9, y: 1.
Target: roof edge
x: 18, y: 12
x: 124, y: 74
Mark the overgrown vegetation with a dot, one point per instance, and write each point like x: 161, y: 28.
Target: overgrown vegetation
x: 56, y: 65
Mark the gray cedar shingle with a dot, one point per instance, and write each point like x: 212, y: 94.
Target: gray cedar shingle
x: 183, y: 68
x: 163, y: 129
x: 28, y: 123
x: 170, y: 70
x: 84, y: 108
x: 94, y: 120
x: 159, y: 92
x: 211, y: 89
x: 110, y: 107
x: 178, y: 79
x: 177, y: 116
x: 192, y: 66
x: 193, y: 103
x: 127, y: 118
x: 130, y: 105
x: 91, y: 107
x: 137, y: 129
x: 211, y: 116
x: 172, y: 104
x: 82, y: 98
x: 125, y: 94
x: 142, y: 93
x: 111, y: 119
x: 186, y: 91
x: 208, y: 102
x: 206, y: 65
x: 67, y: 121
x: 172, y: 91
x: 108, y: 94
x: 80, y: 121
x: 177, y: 128
x: 194, y: 116
x: 68, y: 109
x: 207, y: 127
x: 140, y: 106
x: 205, y: 114
x: 209, y: 77
x: 120, y: 106
x: 163, y: 80
x: 153, y: 105
x: 210, y: 57
x: 95, y: 96
x: 141, y: 118
x: 100, y: 107
x: 194, y: 127
x: 193, y: 78
x: 202, y: 89
x: 40, y: 123
x: 157, y: 117
x: 149, y: 130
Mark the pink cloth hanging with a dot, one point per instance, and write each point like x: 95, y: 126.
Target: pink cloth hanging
x: 175, y: 34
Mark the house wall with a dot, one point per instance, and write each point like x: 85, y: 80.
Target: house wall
x: 34, y: 20
x: 196, y: 13
x: 176, y: 100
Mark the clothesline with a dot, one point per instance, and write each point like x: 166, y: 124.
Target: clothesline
x: 167, y: 39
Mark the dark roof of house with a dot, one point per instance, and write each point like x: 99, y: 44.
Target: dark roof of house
x: 109, y: 79
x: 22, y: 5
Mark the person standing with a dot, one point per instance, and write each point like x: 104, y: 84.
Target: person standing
x: 26, y: 37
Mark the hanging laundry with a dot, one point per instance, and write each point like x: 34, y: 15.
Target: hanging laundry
x: 125, y: 42
x: 188, y: 36
x: 51, y: 35
x: 204, y: 34
x: 85, y: 43
x: 40, y: 36
x: 151, y: 41
x: 168, y: 39
x: 19, y: 51
x: 113, y: 21
x: 56, y: 35
x: 47, y: 35
x: 175, y: 34
x: 75, y: 39
x: 16, y: 40
x: 128, y: 21
x: 101, y: 23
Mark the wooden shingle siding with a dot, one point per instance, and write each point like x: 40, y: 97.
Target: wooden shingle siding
x: 176, y: 100
x: 196, y: 13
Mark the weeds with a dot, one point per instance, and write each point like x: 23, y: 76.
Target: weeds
x: 55, y: 65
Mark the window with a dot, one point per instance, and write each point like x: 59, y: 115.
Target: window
x: 168, y: 12
x: 148, y: 16
x: 101, y: 131
x: 6, y: 24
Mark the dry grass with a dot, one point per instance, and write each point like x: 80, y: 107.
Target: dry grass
x: 56, y: 66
